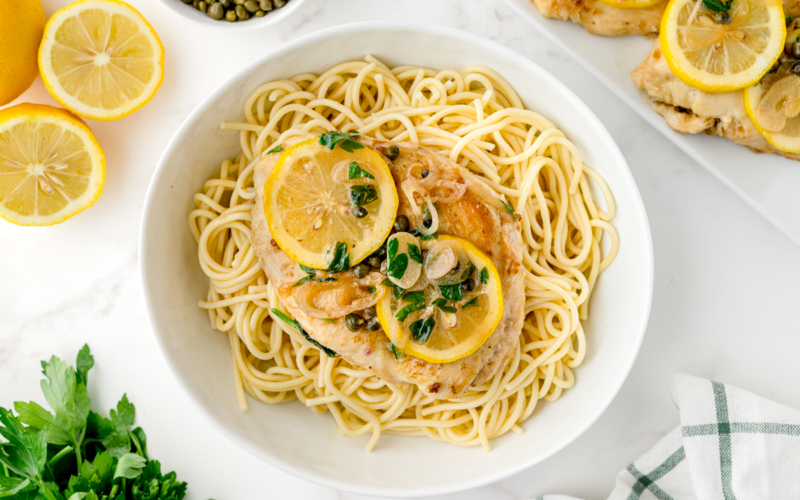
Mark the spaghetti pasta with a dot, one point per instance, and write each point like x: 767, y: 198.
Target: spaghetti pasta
x: 474, y: 117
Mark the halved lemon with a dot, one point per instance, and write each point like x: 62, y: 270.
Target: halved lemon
x: 773, y: 105
x: 313, y: 207
x: 632, y: 4
x: 101, y: 59
x: 443, y: 330
x: 712, y: 55
x: 51, y: 167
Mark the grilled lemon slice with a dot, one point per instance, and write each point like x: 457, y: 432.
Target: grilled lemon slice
x: 51, y: 167
x: 722, y: 51
x: 322, y: 214
x: 773, y: 105
x: 101, y: 59
x: 445, y: 324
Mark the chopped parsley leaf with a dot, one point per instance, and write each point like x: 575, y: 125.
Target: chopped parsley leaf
x: 343, y: 139
x: 414, y: 253
x: 341, y: 258
x: 356, y: 172
x: 451, y: 292
x: 471, y: 303
x: 276, y: 149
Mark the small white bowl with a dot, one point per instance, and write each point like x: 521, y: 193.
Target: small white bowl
x: 193, y: 15
x: 291, y: 437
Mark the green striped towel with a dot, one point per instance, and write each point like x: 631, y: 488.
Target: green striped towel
x: 731, y: 445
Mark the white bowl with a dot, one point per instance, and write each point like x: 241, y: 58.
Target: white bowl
x: 193, y: 15
x: 291, y: 437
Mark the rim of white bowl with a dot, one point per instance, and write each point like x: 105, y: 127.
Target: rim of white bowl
x: 343, y: 485
x: 198, y: 18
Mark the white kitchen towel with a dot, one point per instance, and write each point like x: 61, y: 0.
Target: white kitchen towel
x: 731, y: 445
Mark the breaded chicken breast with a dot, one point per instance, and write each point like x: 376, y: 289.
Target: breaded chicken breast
x: 602, y: 19
x: 477, y: 216
x: 691, y: 111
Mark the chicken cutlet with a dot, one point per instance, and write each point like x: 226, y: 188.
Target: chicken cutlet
x: 602, y: 19
x: 691, y: 111
x: 477, y: 216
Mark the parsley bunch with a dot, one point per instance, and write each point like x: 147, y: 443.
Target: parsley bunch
x: 73, y: 453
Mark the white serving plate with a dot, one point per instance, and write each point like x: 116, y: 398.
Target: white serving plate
x: 769, y: 183
x: 291, y: 437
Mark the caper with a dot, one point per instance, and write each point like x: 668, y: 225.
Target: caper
x: 373, y: 324
x: 369, y: 313
x: 279, y: 3
x: 354, y: 322
x: 374, y: 261
x: 426, y: 213
x: 796, y: 50
x: 260, y: 13
x: 384, y: 267
x: 392, y: 152
x: 225, y: 3
x: 361, y: 270
x: 238, y: 2
x: 203, y: 6
x: 242, y: 13
x: 251, y: 5
x: 230, y: 16
x: 400, y: 224
x: 186, y: 1
x: 216, y: 11
x: 796, y: 68
x: 196, y: 4
x: 266, y: 5
x: 425, y: 173
x: 380, y: 252
x: 468, y: 285
x: 723, y: 17
x: 360, y: 212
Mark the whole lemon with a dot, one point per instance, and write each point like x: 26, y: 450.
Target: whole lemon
x: 21, y: 28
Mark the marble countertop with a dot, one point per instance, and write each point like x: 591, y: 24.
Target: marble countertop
x: 724, y: 304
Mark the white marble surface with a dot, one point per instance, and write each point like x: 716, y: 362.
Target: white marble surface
x: 724, y: 305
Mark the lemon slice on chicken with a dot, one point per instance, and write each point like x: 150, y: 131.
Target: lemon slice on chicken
x: 330, y: 208
x: 441, y: 324
x: 632, y: 4
x: 773, y: 105
x: 726, y: 50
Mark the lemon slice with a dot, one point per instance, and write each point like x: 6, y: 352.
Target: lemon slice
x: 773, y: 106
x: 632, y: 4
x: 311, y: 204
x: 101, y: 59
x: 445, y: 334
x: 51, y: 167
x: 713, y: 56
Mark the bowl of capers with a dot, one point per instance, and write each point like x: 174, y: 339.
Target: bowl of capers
x: 232, y: 14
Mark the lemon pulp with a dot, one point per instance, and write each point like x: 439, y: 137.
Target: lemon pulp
x: 474, y: 320
x: 51, y: 167
x: 101, y: 59
x: 720, y: 57
x: 310, y: 212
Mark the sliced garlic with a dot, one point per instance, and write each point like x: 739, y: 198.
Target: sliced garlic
x: 779, y: 103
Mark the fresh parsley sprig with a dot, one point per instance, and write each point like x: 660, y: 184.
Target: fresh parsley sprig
x: 71, y: 452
